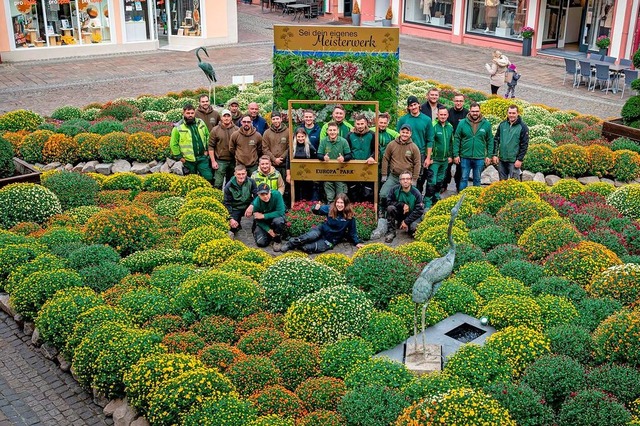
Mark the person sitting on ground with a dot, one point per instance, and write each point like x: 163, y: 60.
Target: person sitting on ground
x: 404, y: 207
x: 340, y: 224
x: 268, y: 217
x: 239, y: 192
x: 334, y: 147
x: 268, y: 174
x: 303, y: 149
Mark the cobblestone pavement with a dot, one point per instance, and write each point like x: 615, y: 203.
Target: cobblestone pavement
x: 33, y: 389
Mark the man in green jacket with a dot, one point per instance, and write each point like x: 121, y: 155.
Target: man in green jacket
x: 473, y: 145
x: 189, y: 143
x: 511, y: 144
x: 334, y: 147
x: 239, y: 192
x: 337, y: 116
x: 439, y: 156
x: 268, y: 217
x: 362, y: 143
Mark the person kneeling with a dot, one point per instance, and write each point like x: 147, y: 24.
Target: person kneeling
x: 340, y: 223
x: 404, y: 205
x: 268, y: 216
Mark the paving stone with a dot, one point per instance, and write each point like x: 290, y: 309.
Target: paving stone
x: 588, y: 179
x: 551, y: 179
x: 120, y: 166
x: 90, y: 167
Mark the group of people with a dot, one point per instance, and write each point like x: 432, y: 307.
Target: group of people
x: 251, y: 159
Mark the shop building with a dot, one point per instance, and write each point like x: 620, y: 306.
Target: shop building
x: 47, y: 29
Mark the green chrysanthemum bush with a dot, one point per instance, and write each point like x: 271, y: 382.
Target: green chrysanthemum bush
x: 554, y: 378
x: 519, y: 345
x: 524, y: 405
x: 16, y: 263
x: 321, y: 393
x: 592, y: 407
x: 219, y: 293
x: 462, y: 406
x: 205, y: 192
x: 337, y: 261
x: 567, y: 188
x: 527, y: 272
x: 581, y: 262
x: 627, y: 165
x: 220, y: 356
x: 556, y: 310
x: 168, y: 278
x: 58, y: 315
x: 27, y: 202
x: 171, y: 400
x: 141, y: 304
x: 205, y: 203
x: 378, y: 371
x: 437, y: 236
x: 372, y: 405
x: 497, y: 287
x: 73, y: 189
x: 497, y: 195
x: 505, y: 253
x: 403, y: 307
x: 152, y: 371
x: 146, y: 260
x: 473, y: 273
x: 546, y: 236
x: 216, y: 252
x: 539, y: 159
x: 510, y: 310
x: 169, y: 206
x: 203, y: 234
x: 89, y: 320
x: 253, y: 373
x: 570, y: 160
x: 620, y: 282
x: 150, y: 198
x: 126, y: 229
x: 226, y: 411
x: 519, y: 214
x: 489, y: 237
x: 297, y: 361
x: 394, y: 272
x: 593, y: 311
x: 621, y: 381
x: 322, y: 417
x: 182, y: 186
x: 328, y: 315
x: 114, y: 198
x: 195, y: 218
x: 278, y: 400
x: 30, y: 294
x: 287, y: 280
x: 384, y: 331
x: 56, y: 237
x: 260, y: 341
x: 478, y: 366
x: 337, y: 359
x: 627, y: 200
x: 92, y: 255
x: 419, y: 252
x: 616, y: 338
x: 571, y: 340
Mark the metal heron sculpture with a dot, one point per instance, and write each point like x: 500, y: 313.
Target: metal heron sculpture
x: 431, y: 278
x: 208, y: 70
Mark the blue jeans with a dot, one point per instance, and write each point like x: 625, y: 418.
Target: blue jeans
x: 468, y: 164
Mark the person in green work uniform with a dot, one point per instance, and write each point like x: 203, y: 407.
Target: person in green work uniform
x: 190, y: 143
x: 439, y: 156
x: 404, y: 207
x: 337, y: 116
x: 334, y: 147
x: 268, y: 217
x: 511, y: 143
x: 473, y: 145
x: 362, y: 143
x: 421, y: 134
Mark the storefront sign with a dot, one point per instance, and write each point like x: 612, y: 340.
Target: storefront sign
x: 342, y: 39
x: 351, y: 171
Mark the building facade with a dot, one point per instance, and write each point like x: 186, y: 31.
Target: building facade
x: 46, y: 29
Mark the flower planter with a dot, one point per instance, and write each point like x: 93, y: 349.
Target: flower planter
x: 25, y: 173
x: 614, y: 129
x: 603, y: 51
x: 355, y: 19
x: 526, y: 47
x: 386, y: 22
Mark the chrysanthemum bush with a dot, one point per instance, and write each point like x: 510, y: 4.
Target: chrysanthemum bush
x: 215, y: 328
x: 627, y: 165
x: 524, y: 405
x: 556, y: 310
x: 73, y: 189
x: 622, y: 381
x: 27, y: 202
x: 615, y: 339
x: 278, y: 400
x: 419, y: 252
x: 455, y: 296
x: 206, y: 203
x: 497, y: 287
x: 182, y: 186
x: 510, y: 310
x: 620, y: 282
x: 216, y: 252
x: 220, y: 355
x: 519, y: 345
x: 328, y: 315
x: 592, y: 406
x: 287, y: 280
x: 546, y: 236
x: 403, y: 307
x: 20, y: 119
x: 519, y: 214
x: 321, y: 393
x: 168, y: 278
x: 539, y: 159
x: 567, y: 188
x: 192, y: 239
x: 165, y: 323
x: 570, y: 160
x: 260, y: 341
x: 473, y: 273
x: 478, y: 366
x: 373, y: 404
x: 253, y: 373
x: 337, y: 359
x: 491, y: 236
x: 146, y: 260
x: 437, y: 236
x: 580, y: 262
x: 458, y: 406
x: 226, y: 411
x: 195, y: 218
x: 297, y: 361
x: 555, y: 377
x: 337, y: 261
x: 385, y: 330
x: 496, y: 196
x: 627, y: 200
x: 257, y: 320
x: 380, y: 371
x: 443, y: 207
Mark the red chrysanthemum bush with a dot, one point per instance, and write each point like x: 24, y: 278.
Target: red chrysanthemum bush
x: 278, y: 400
x: 260, y: 341
x: 580, y: 262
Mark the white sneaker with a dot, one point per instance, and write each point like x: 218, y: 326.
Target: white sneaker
x: 486, y: 30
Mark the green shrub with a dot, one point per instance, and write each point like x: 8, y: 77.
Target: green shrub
x: 119, y: 110
x: 32, y: 146
x: 592, y: 407
x: 505, y: 252
x: 479, y: 220
x: 226, y: 411
x: 73, y: 189
x: 20, y: 119
x: 379, y: 371
x: 146, y: 260
x: 627, y: 165
x: 522, y: 270
x: 92, y: 255
x: 169, y: 206
x: 27, y: 202
x: 556, y: 310
x: 614, y: 339
x: 491, y: 236
x: 384, y: 331
x: 252, y: 374
x: 372, y: 405
x: 337, y: 359
x: 105, y: 127
x: 631, y: 110
x: 478, y: 366
x: 142, y: 304
x: 7, y: 168
x: 123, y: 181
x: 572, y: 341
x: 87, y: 322
x: 29, y: 296
x: 103, y: 276
x: 539, y: 159
x: 594, y: 311
x: 621, y: 381
x: 467, y: 253
x: 66, y: 112
x: 168, y: 278
x: 431, y: 385
x: 17, y: 262
x: 321, y: 393
x: 546, y: 236
x: 525, y: 406
x: 625, y: 143
x: 56, y: 237
x: 557, y: 286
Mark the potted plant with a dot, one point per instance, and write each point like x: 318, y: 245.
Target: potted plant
x: 603, y: 43
x: 527, y: 38
x: 386, y: 22
x: 355, y: 14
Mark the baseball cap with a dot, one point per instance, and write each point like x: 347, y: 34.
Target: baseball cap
x: 412, y: 100
x: 226, y: 112
x: 405, y: 126
x: 263, y: 188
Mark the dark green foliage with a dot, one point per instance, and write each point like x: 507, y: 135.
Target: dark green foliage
x: 106, y: 126
x: 73, y: 189
x: 594, y: 311
x: 92, y: 255
x: 630, y: 259
x: 479, y: 220
x: 70, y: 130
x: 372, y: 405
x: 467, y: 253
x: 592, y: 408
x: 491, y: 236
x: 625, y: 143
x: 7, y: 169
x: 119, y: 110
x: 622, y: 381
x: 505, y: 253
x: 103, y: 276
x: 524, y: 404
x: 385, y: 331
x: 66, y: 112
x: 609, y: 238
x: 555, y: 377
x: 631, y: 110
x: 558, y: 286
x: 571, y: 340
x: 527, y: 272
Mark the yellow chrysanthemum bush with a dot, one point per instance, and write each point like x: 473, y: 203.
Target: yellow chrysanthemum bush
x: 570, y: 160
x: 478, y: 366
x: 463, y: 406
x: 567, y: 188
x: 616, y: 338
x: 158, y: 181
x: 253, y: 255
x: 205, y: 192
x: 619, y: 282
x: 185, y: 184
x: 537, y: 187
x: 216, y: 252
x: 580, y: 262
x: 443, y: 207
x: 436, y: 220
x: 627, y: 165
x: 141, y: 146
x: 88, y: 145
x: 203, y: 234
x: 205, y: 203
x: 510, y: 310
x: 546, y: 236
x: 418, y: 251
x: 497, y: 287
x: 602, y: 188
x: 122, y: 181
x: 404, y: 308
x: 556, y: 310
x: 538, y: 159
x: 601, y: 160
x: 627, y: 200
x: 242, y: 267
x: 455, y: 296
x: 519, y: 214
x: 437, y: 237
x: 197, y: 217
x: 473, y: 273
x: 519, y: 345
x: 495, y: 106
x: 337, y: 261
x: 498, y: 194
x: 227, y: 411
x: 372, y: 248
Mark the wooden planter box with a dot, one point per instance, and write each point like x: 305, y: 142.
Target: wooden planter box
x: 25, y: 173
x: 615, y: 129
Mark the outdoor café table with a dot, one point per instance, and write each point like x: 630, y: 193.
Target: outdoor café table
x: 284, y: 4
x: 299, y: 9
x: 616, y: 68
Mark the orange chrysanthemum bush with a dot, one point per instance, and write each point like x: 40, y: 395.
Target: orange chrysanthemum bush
x: 580, y: 262
x: 321, y: 393
x: 278, y: 400
x: 620, y: 282
x: 463, y: 406
x: 519, y: 214
x: 220, y: 355
x: 601, y: 160
x: 546, y: 236
x: 127, y: 229
x: 88, y: 145
x: 497, y: 195
x: 62, y: 148
x: 570, y: 160
x: 616, y: 338
x: 141, y: 146
x: 15, y: 139
x: 260, y: 341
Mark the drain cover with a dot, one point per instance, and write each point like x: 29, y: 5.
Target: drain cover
x: 465, y: 333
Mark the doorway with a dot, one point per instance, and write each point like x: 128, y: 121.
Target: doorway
x: 563, y: 21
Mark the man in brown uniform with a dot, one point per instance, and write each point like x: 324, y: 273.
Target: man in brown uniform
x: 206, y: 113
x: 234, y: 107
x: 401, y: 154
x: 246, y: 145
x: 275, y: 143
x: 221, y: 159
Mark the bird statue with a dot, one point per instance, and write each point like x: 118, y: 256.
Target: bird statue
x: 431, y: 277
x: 208, y: 70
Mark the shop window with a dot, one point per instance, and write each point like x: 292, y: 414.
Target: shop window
x: 137, y: 20
x: 598, y: 21
x: 502, y: 18
x: 432, y: 12
x: 185, y: 18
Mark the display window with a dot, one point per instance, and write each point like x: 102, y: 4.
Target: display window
x: 599, y: 19
x: 501, y: 18
x: 185, y: 18
x: 53, y: 23
x: 438, y: 13
x: 138, y: 20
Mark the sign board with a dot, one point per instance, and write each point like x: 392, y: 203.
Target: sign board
x: 336, y: 39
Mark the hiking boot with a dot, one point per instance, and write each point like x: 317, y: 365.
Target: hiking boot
x: 277, y: 246
x: 389, y: 237
x: 285, y: 247
x: 380, y: 230
x: 232, y: 235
